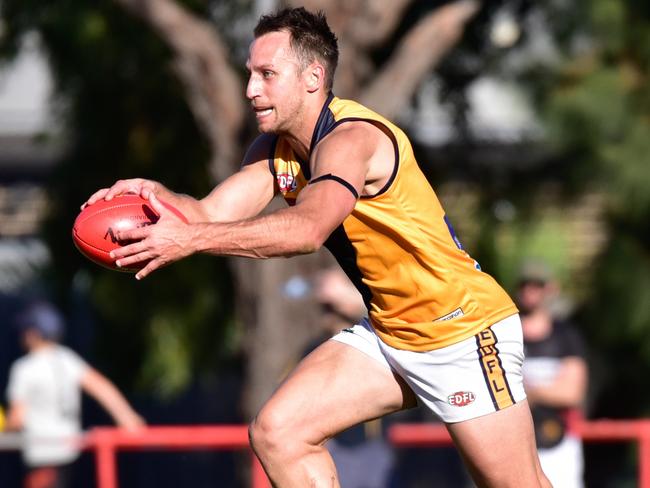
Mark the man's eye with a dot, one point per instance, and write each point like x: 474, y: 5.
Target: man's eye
x: 267, y: 73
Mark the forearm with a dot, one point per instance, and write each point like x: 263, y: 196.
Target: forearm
x: 192, y: 208
x: 110, y: 398
x: 567, y: 390
x: 555, y: 397
x: 283, y: 233
x: 15, y: 417
x: 115, y: 404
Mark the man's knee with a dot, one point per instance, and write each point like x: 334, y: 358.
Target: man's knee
x: 271, y: 434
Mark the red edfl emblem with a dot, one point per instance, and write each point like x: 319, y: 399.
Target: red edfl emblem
x: 461, y: 398
x: 287, y: 182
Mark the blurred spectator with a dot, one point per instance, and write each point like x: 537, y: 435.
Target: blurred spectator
x: 555, y: 374
x: 363, y: 445
x: 44, y: 397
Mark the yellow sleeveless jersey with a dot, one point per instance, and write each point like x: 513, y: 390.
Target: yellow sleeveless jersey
x: 422, y: 290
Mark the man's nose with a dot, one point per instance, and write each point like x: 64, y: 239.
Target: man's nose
x: 252, y: 88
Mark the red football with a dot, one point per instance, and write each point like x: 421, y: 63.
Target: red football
x: 93, y: 232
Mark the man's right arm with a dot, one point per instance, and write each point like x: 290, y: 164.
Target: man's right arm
x: 242, y: 195
x: 15, y: 416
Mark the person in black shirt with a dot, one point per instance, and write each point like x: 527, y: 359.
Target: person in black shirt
x: 555, y: 375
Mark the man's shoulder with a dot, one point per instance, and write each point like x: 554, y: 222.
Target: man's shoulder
x: 260, y: 149
x: 70, y: 356
x: 65, y: 350
x: 24, y: 364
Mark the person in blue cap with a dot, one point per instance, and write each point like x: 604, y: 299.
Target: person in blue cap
x: 44, y: 398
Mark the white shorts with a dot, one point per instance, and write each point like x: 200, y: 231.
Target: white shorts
x: 475, y: 377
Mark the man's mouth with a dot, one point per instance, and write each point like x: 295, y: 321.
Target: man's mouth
x: 263, y: 112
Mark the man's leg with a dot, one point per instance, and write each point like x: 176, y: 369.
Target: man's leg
x: 499, y: 448
x: 333, y: 388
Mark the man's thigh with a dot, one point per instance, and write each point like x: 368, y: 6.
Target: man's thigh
x: 499, y: 448
x: 333, y: 388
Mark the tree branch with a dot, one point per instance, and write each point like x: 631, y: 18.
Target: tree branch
x: 213, y: 88
x: 418, y: 53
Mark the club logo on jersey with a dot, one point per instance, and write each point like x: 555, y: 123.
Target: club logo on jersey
x: 461, y: 398
x: 287, y: 182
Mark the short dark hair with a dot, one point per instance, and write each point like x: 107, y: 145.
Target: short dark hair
x: 311, y: 37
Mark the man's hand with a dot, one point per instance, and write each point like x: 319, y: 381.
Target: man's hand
x: 160, y: 244
x: 137, y: 186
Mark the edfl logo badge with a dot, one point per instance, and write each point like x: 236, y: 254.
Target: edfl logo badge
x: 287, y: 182
x: 461, y: 398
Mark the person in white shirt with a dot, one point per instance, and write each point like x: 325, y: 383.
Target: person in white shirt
x: 44, y: 397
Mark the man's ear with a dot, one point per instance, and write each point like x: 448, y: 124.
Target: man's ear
x: 315, y: 77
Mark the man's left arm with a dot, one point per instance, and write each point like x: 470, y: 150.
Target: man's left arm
x: 300, y: 229
x: 110, y: 398
x: 568, y: 389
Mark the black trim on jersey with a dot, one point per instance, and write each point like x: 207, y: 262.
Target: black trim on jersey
x: 345, y: 254
x: 338, y: 179
x: 395, y: 148
x: 304, y: 166
x: 324, y: 124
x: 272, y: 157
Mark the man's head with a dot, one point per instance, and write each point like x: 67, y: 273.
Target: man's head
x: 310, y: 38
x: 40, y: 322
x: 292, y: 59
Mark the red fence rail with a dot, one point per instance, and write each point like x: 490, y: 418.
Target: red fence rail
x: 106, y: 442
x: 432, y: 435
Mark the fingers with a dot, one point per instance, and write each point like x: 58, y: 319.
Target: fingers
x: 151, y: 266
x: 137, y: 234
x: 98, y: 195
x: 158, y: 207
x: 131, y: 254
x: 122, y: 187
x: 137, y: 253
x: 137, y: 186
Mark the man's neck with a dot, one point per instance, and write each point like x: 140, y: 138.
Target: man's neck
x: 41, y: 346
x: 300, y: 137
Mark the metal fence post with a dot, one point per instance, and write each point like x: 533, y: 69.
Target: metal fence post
x: 105, y: 461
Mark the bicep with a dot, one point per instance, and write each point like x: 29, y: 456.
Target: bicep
x: 92, y: 382
x: 325, y: 205
x: 351, y: 154
x: 246, y: 193
x: 339, y: 170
